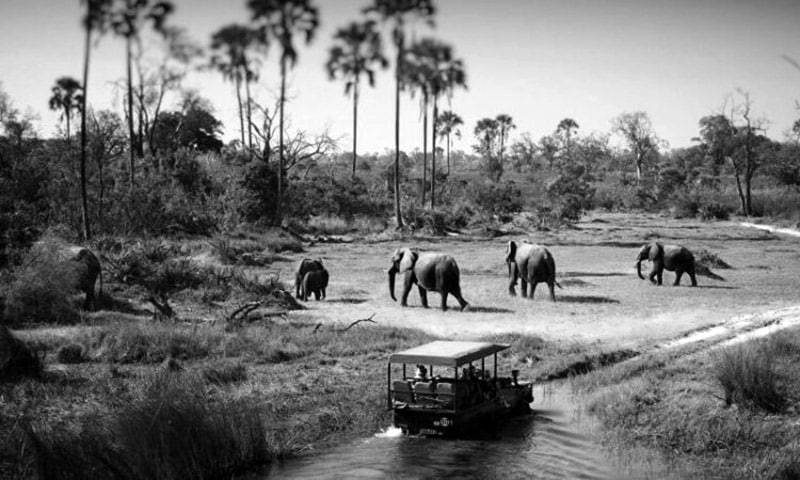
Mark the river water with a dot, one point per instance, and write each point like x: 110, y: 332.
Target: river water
x: 553, y: 443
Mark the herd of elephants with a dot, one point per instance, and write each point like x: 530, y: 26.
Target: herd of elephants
x: 530, y: 263
x: 436, y: 272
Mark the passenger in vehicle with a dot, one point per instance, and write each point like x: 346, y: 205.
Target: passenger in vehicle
x: 421, y: 375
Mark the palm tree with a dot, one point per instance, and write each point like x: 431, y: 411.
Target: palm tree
x: 418, y: 76
x: 448, y: 73
x: 67, y: 97
x: 359, y: 48
x: 96, y: 18
x: 397, y: 12
x: 280, y: 20
x: 565, y: 127
x: 505, y: 124
x: 127, y: 22
x: 447, y: 123
x: 230, y: 46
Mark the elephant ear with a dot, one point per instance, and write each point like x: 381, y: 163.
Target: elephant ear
x: 409, y: 259
x: 644, y: 252
x: 511, y: 250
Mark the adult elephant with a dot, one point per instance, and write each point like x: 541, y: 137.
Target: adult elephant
x: 674, y: 258
x: 434, y: 272
x: 532, y: 264
x: 83, y: 264
x: 315, y: 282
x: 306, y: 265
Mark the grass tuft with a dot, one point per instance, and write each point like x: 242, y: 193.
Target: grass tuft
x: 748, y: 376
x: 17, y: 359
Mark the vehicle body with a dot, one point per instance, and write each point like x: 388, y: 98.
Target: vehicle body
x: 450, y: 404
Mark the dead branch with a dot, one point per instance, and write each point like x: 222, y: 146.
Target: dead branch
x: 370, y: 320
x: 244, y: 310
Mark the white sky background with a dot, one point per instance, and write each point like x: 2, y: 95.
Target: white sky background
x: 537, y: 60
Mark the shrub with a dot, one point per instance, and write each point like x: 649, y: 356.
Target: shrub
x: 17, y: 360
x: 748, y: 378
x: 42, y: 291
x: 694, y: 204
x: 72, y: 353
x: 704, y: 257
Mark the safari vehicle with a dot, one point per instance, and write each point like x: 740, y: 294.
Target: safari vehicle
x: 450, y: 403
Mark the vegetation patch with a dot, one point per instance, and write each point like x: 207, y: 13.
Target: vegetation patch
x: 717, y: 415
x: 17, y: 359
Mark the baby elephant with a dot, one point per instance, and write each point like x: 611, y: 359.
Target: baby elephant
x: 315, y: 282
x: 306, y: 265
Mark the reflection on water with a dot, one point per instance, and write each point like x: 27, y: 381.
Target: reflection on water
x: 552, y: 442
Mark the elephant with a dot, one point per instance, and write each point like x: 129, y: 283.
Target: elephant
x: 430, y: 271
x: 532, y: 264
x: 315, y: 281
x: 86, y: 268
x: 306, y: 265
x: 671, y: 257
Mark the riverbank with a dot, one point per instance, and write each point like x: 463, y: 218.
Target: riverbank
x: 731, y: 410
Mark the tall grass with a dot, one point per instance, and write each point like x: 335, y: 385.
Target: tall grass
x: 748, y: 376
x: 170, y: 433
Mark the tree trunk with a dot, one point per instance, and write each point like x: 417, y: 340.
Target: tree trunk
x: 355, y: 124
x: 84, y: 200
x: 281, y: 159
x: 739, y: 188
x: 249, y: 117
x: 131, y: 140
x: 424, y: 146
x: 397, y: 135
x: 238, y: 82
x: 433, y: 153
x: 448, y: 153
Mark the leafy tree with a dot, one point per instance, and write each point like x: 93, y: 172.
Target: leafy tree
x: 358, y: 50
x: 398, y: 12
x: 66, y: 97
x: 127, y: 21
x: 447, y: 124
x: 637, y: 130
x: 230, y: 46
x: 418, y: 76
x: 281, y: 20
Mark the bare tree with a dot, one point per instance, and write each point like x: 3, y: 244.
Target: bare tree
x: 637, y: 130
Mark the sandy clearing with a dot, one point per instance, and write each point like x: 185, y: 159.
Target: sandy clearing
x: 602, y: 300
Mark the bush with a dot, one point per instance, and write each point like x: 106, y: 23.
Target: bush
x: 570, y: 196
x: 748, y: 378
x: 72, y: 353
x: 17, y: 360
x: 42, y: 291
x: 694, y: 204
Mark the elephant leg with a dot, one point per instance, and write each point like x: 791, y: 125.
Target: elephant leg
x: 678, y: 275
x: 552, y: 287
x: 524, y: 287
x: 297, y: 286
x: 691, y: 275
x: 407, y: 282
x: 512, y: 275
x: 457, y: 293
x: 423, y: 296
x: 324, y: 294
x: 533, y: 289
x: 316, y: 295
x: 444, y: 300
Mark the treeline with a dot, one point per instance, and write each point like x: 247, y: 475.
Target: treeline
x: 155, y: 170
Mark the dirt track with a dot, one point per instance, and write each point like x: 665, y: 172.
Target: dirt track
x: 602, y: 299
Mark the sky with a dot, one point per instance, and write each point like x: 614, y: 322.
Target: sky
x: 537, y: 60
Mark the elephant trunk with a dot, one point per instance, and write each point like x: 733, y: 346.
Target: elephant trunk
x: 639, y: 269
x: 392, y: 272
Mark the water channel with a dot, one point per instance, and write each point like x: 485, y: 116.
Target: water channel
x: 553, y: 442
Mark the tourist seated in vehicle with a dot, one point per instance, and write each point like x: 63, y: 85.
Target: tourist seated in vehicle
x: 421, y: 375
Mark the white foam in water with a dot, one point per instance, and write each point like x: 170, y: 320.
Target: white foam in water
x: 390, y: 432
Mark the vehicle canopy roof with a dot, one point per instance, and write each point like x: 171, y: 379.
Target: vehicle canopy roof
x: 446, y: 354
